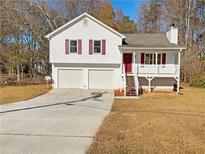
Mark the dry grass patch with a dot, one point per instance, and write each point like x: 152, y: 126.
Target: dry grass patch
x: 156, y: 123
x: 10, y: 94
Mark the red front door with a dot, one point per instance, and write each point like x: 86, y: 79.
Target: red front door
x: 127, y: 60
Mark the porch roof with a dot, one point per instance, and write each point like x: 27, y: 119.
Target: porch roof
x: 148, y: 41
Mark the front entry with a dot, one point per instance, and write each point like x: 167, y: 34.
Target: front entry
x: 127, y: 61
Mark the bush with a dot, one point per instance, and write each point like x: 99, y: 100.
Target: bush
x: 196, y: 81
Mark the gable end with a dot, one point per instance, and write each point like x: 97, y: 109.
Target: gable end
x: 77, y: 19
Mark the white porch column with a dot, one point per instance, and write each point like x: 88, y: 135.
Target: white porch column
x: 178, y: 76
x: 134, y: 56
x: 133, y: 62
x: 122, y: 69
x: 123, y: 75
x: 149, y: 82
x: 156, y: 63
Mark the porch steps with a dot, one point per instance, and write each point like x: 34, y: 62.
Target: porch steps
x: 130, y: 86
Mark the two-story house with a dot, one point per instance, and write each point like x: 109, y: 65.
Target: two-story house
x: 86, y: 53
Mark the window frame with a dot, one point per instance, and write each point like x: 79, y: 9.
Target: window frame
x: 97, y: 53
x: 74, y: 46
x: 159, y: 62
x: 151, y: 59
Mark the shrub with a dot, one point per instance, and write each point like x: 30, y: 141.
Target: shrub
x: 196, y: 81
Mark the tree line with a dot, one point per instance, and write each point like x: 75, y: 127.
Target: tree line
x: 189, y: 17
x: 24, y: 24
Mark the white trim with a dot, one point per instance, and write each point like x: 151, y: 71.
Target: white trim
x: 151, y: 48
x: 149, y: 78
x: 156, y: 60
x: 161, y: 88
x: 157, y: 75
x: 178, y: 81
x: 50, y: 35
x: 134, y: 58
x: 126, y: 97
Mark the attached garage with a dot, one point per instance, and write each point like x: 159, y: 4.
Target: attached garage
x: 70, y: 78
x: 86, y: 78
x: 100, y: 79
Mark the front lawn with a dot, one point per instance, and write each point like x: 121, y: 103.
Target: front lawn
x: 156, y: 123
x: 10, y: 94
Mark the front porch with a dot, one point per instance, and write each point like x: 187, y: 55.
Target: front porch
x: 151, y: 56
x: 150, y: 65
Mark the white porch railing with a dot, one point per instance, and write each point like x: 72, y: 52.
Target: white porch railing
x: 150, y: 71
x: 168, y: 69
x: 136, y: 81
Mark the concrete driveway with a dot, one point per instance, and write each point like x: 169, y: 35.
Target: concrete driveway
x: 63, y: 121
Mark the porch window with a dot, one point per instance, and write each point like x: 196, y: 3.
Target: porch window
x: 73, y: 46
x: 150, y: 58
x: 97, y: 46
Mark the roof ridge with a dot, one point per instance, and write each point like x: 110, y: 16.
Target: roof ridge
x: 143, y: 33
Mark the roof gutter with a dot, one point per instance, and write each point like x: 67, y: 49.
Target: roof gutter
x: 151, y: 48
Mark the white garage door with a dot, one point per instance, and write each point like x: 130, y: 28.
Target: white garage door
x: 70, y: 78
x: 100, y: 79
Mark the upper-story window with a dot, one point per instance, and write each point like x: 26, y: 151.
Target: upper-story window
x: 97, y: 46
x: 73, y: 46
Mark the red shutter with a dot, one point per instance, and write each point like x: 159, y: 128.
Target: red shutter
x: 90, y: 47
x: 142, y: 58
x: 67, y: 48
x: 103, y: 47
x: 163, y: 58
x: 79, y: 46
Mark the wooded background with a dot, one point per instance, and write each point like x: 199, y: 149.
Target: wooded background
x: 24, y: 23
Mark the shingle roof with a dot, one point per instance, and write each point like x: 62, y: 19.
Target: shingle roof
x: 150, y: 40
